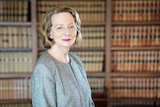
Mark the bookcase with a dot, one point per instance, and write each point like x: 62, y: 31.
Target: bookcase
x: 120, y: 49
x: 133, y: 56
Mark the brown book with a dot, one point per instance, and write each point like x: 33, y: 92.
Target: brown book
x: 157, y: 10
x: 114, y: 7
x: 1, y: 11
x: 143, y: 36
x: 132, y: 61
x: 140, y: 66
x: 135, y: 16
x: 11, y: 89
x: 144, y: 7
x: 149, y: 10
x: 113, y: 38
x: 140, y: 4
x: 158, y: 85
x: 1, y: 36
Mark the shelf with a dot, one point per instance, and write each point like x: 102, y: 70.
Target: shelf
x: 27, y: 75
x: 101, y: 95
x: 15, y: 101
x: 96, y: 74
x: 15, y: 23
x: 15, y: 49
x: 136, y: 99
x: 133, y: 74
x: 134, y: 23
x: 134, y: 48
x: 93, y: 24
x: 14, y: 75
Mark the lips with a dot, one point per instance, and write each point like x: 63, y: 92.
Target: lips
x: 66, y: 39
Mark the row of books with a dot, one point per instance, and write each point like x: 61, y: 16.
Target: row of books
x: 90, y: 11
x: 93, y: 60
x: 13, y: 89
x: 16, y: 105
x: 134, y: 36
x: 15, y: 37
x: 92, y: 37
x: 135, y: 10
x: 142, y: 87
x: 135, y: 61
x: 96, y: 84
x: 15, y: 62
x: 14, y: 10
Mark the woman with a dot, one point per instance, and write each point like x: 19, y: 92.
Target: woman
x: 59, y: 78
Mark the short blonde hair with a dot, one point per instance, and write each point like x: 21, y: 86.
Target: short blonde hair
x: 46, y: 24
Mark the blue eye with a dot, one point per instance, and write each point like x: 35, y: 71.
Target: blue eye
x: 72, y: 27
x: 59, y: 28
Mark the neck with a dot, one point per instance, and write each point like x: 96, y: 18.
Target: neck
x: 60, y: 54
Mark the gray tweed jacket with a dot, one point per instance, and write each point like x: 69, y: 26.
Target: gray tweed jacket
x: 56, y: 84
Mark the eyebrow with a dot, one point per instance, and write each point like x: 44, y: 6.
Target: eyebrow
x: 63, y: 25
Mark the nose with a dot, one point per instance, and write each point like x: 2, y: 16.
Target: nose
x: 67, y: 31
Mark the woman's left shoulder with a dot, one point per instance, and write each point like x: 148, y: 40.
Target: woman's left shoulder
x: 75, y: 57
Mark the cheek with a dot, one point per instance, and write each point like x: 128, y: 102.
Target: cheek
x: 75, y: 34
x: 56, y: 35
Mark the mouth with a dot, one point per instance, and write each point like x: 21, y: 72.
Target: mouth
x: 66, y: 40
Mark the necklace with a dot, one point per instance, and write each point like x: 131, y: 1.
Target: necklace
x: 66, y: 60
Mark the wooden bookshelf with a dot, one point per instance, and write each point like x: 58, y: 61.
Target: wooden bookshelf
x: 111, y: 15
x: 118, y: 13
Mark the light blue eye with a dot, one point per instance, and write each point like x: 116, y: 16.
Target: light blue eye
x: 60, y: 28
x: 72, y: 27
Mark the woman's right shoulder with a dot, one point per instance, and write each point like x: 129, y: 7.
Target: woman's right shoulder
x: 45, y: 62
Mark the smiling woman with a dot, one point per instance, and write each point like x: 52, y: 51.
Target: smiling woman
x: 59, y: 78
x: 63, y: 31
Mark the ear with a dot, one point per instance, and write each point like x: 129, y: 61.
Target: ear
x: 50, y: 37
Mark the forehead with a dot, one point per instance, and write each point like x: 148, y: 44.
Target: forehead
x: 62, y: 18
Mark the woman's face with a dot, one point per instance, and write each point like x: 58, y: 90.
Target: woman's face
x: 63, y: 30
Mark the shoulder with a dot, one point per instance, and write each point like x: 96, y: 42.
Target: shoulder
x: 44, y: 58
x: 76, y: 58
x: 45, y: 64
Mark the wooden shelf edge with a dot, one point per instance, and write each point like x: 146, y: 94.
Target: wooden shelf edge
x: 134, y: 48
x: 15, y: 101
x: 135, y: 23
x: 15, y: 23
x: 102, y: 94
x: 14, y: 75
x: 15, y: 49
x: 134, y: 99
x: 133, y: 74
x: 96, y: 74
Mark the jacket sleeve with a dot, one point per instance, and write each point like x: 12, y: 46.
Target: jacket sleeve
x: 43, y: 87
